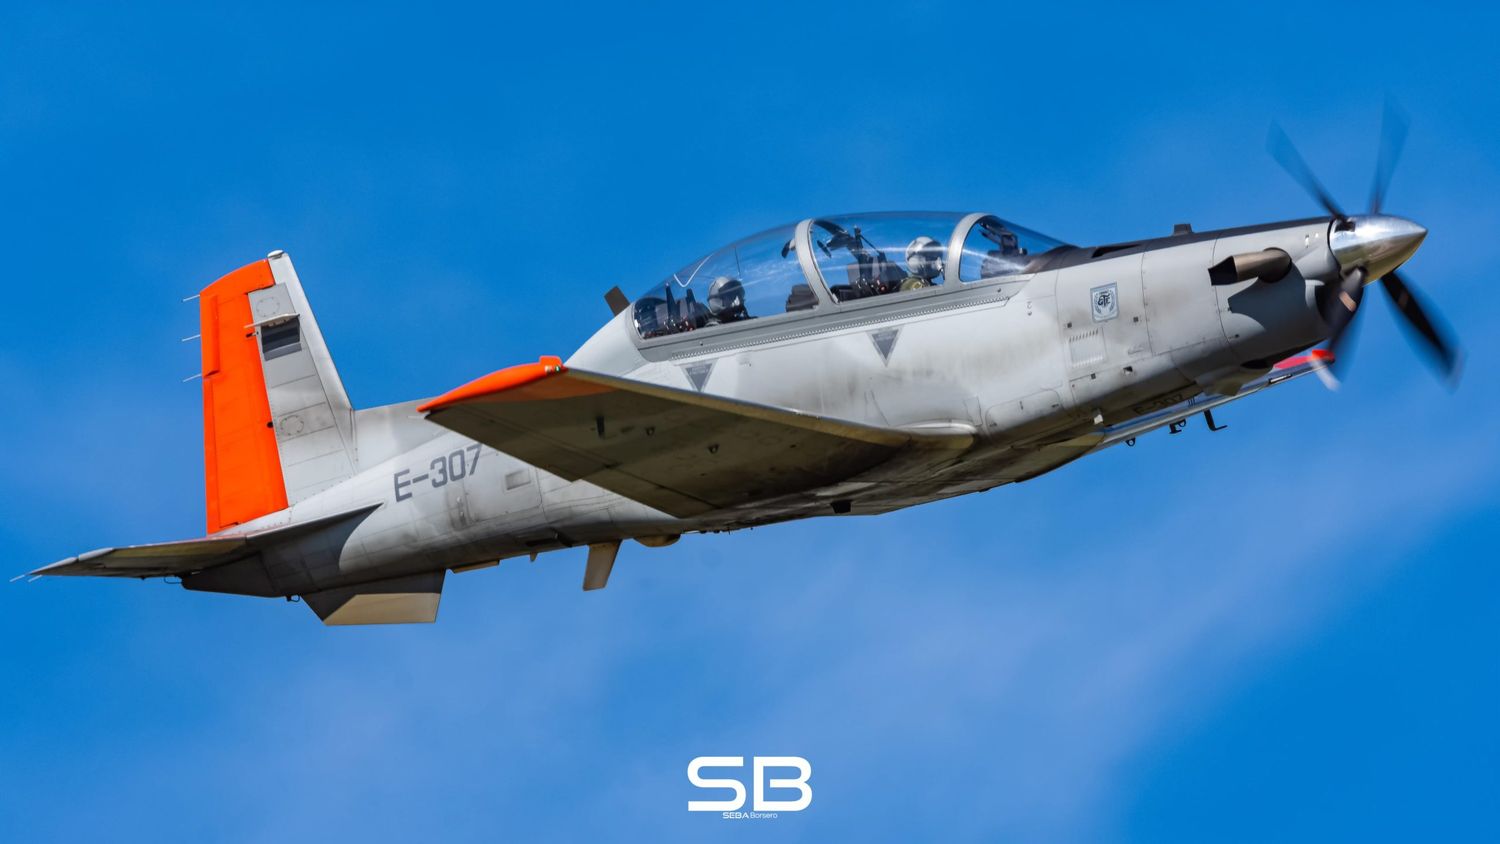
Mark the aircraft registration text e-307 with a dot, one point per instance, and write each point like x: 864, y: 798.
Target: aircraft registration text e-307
x: 454, y: 466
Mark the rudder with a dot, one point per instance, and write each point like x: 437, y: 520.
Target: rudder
x: 278, y: 425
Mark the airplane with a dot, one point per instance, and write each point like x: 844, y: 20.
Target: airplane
x: 842, y: 365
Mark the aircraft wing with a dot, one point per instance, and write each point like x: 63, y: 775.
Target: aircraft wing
x: 681, y: 452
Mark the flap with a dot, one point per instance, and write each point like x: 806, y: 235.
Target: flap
x: 679, y: 451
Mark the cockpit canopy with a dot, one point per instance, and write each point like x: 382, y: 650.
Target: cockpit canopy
x: 757, y: 276
x: 830, y: 261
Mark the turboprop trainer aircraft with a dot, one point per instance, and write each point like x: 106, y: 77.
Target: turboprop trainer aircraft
x: 841, y: 365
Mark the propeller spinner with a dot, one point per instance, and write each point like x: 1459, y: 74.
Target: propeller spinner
x: 1369, y: 247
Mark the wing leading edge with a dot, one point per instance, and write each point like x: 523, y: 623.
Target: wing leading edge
x: 681, y: 452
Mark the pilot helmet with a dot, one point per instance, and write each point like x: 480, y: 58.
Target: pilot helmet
x: 924, y: 257
x: 726, y: 296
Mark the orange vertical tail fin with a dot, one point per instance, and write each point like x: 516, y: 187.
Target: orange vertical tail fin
x: 242, y: 466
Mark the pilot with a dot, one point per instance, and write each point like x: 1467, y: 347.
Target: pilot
x: 924, y: 262
x: 726, y: 301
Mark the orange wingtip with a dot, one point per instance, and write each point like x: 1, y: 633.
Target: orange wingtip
x: 508, y: 378
x: 1315, y: 355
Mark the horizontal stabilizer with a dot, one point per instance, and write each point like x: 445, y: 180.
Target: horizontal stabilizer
x: 400, y: 600
x: 161, y: 559
x: 679, y: 451
x: 155, y: 560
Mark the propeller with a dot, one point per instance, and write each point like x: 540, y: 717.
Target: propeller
x: 1438, y: 345
x: 1370, y: 246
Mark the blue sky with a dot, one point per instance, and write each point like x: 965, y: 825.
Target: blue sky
x: 1283, y: 630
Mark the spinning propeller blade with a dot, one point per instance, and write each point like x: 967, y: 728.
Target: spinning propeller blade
x: 1443, y: 351
x: 1340, y: 307
x: 1392, y: 138
x: 1373, y: 246
x: 1292, y: 162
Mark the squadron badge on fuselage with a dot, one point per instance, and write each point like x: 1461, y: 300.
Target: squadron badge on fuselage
x: 1106, y: 302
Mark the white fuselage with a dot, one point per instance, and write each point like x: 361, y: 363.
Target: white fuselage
x: 1025, y: 365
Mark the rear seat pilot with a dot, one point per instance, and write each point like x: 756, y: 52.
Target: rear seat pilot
x: 924, y: 262
x: 726, y: 301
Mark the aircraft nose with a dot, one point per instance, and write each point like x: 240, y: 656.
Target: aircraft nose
x: 1375, y: 242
